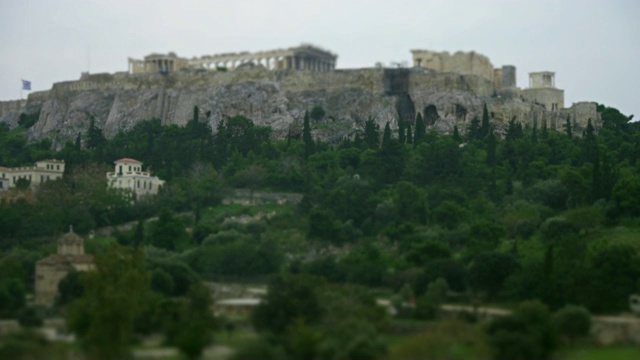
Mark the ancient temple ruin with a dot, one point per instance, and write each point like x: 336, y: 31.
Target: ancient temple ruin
x: 304, y: 57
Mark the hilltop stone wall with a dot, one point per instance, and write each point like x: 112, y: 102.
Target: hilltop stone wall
x: 280, y: 98
x: 466, y: 63
x: 7, y: 107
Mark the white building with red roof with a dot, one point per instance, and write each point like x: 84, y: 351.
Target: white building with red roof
x: 128, y: 175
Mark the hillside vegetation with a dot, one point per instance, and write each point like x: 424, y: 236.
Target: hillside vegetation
x: 412, y: 216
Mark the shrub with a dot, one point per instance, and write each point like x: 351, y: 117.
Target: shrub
x: 572, y: 322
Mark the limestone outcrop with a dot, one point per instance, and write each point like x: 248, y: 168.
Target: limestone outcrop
x: 280, y: 98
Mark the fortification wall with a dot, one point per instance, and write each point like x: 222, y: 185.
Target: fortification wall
x: 38, y: 96
x: 280, y: 98
x: 475, y: 84
x: 11, y: 106
x: 579, y: 114
x: 470, y: 63
x: 550, y: 98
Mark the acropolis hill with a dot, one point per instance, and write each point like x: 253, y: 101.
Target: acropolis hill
x: 276, y: 87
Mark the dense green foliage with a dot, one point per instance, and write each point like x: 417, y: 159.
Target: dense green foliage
x: 536, y: 214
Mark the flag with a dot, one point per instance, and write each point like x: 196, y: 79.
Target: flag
x: 26, y: 85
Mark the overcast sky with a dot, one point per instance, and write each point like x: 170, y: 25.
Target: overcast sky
x: 593, y: 46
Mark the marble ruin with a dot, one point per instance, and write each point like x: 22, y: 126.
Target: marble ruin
x: 542, y: 88
x: 275, y: 87
x: 303, y: 57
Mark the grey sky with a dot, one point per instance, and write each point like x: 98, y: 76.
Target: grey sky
x: 593, y: 46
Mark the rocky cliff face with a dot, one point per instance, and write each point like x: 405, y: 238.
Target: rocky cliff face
x: 279, y: 99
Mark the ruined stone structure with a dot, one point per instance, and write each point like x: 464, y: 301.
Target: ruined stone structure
x: 269, y: 88
x: 50, y: 270
x: 542, y: 90
x: 11, y: 106
x: 154, y: 63
x: 470, y: 63
x: 303, y: 57
x: 43, y: 171
x: 467, y: 63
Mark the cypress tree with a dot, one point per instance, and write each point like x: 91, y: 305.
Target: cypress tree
x: 79, y: 142
x: 473, y: 132
x: 534, y: 133
x: 485, y: 127
x: 309, y: 145
x: 401, y: 131
x: 456, y: 134
x: 196, y: 114
x: 567, y: 128
x: 371, y: 136
x: 357, y: 141
x: 544, y: 133
x: 590, y: 144
x: 409, y: 135
x: 491, y: 148
x: 420, y: 131
x: 386, y: 136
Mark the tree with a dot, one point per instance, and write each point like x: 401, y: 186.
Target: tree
x: 386, y: 136
x: 427, y: 306
x: 168, y: 231
x: 196, y: 322
x: 449, y: 214
x: 456, y: 134
x: 317, y: 113
x: 115, y: 293
x: 23, y: 183
x: 488, y: 271
x: 289, y: 298
x: 420, y: 131
x: 527, y: 334
x: 95, y: 137
x: 70, y: 288
x: 371, y: 134
x: 567, y: 128
x: 473, y: 131
x: 411, y: 202
x: 402, y: 135
x: 12, y: 296
x: 485, y: 127
x: 309, y: 145
x: 572, y: 322
x: 491, y: 149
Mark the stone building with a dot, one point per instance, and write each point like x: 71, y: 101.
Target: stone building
x: 303, y: 57
x: 41, y: 172
x: 542, y: 90
x: 470, y: 63
x: 154, y: 63
x: 50, y: 270
x: 128, y: 175
x: 466, y: 63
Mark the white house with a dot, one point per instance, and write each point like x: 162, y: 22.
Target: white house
x: 129, y: 175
